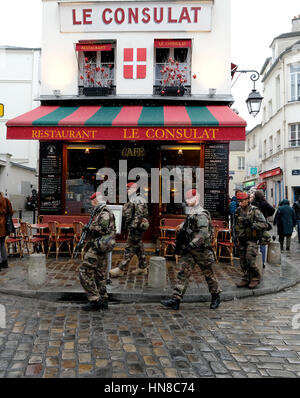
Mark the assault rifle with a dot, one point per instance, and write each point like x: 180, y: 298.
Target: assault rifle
x: 183, y: 238
x: 85, y: 231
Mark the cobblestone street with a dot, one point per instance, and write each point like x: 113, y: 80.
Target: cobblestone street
x: 246, y: 338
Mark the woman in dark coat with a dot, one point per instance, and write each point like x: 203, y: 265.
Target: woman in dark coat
x: 5, y: 206
x: 285, y: 219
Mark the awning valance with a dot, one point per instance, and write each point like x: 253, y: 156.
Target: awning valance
x: 271, y: 173
x: 180, y: 123
x: 92, y: 47
x: 172, y: 43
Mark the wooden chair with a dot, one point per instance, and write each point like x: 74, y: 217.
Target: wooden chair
x: 29, y: 239
x: 168, y: 230
x: 56, y: 239
x: 225, y: 245
x: 77, y: 227
x: 14, y: 245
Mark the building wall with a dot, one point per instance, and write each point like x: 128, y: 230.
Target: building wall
x: 279, y: 112
x: 210, y: 51
x: 19, y: 86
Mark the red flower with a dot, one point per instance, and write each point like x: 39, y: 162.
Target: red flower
x: 81, y: 77
x: 162, y: 92
x: 194, y: 76
x: 97, y: 69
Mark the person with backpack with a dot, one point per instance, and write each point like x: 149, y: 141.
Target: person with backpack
x: 285, y: 219
x: 194, y: 248
x: 296, y: 207
x: 135, y: 216
x: 251, y: 229
x: 268, y: 211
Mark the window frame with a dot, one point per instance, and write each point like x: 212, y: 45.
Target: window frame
x: 295, y: 82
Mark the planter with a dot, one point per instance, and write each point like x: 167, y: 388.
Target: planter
x: 96, y: 91
x: 172, y: 91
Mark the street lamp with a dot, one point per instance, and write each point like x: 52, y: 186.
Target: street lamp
x: 254, y: 99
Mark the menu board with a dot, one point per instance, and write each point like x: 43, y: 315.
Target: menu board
x: 50, y: 178
x: 216, y: 169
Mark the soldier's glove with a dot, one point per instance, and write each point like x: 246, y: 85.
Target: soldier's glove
x: 247, y: 222
x: 85, y: 228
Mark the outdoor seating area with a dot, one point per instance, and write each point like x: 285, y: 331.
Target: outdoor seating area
x: 51, y: 234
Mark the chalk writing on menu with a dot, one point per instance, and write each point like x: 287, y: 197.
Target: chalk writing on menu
x: 216, y: 180
x: 50, y: 178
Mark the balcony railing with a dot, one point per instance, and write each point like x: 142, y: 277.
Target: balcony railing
x: 293, y: 143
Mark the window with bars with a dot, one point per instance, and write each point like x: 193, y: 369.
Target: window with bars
x: 169, y: 59
x: 295, y: 82
x: 241, y: 163
x: 97, y: 69
x: 294, y: 135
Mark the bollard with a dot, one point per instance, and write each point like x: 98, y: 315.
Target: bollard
x: 37, y: 272
x: 157, y: 276
x: 274, y: 253
x: 259, y: 264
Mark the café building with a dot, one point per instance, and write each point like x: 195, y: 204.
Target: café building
x: 137, y: 81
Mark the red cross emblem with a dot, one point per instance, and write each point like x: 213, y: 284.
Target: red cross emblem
x: 135, y: 63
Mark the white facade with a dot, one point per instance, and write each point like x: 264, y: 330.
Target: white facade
x: 276, y: 139
x: 236, y: 166
x: 63, y: 27
x: 19, y: 86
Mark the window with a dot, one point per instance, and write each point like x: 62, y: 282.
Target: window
x: 173, y: 58
x: 278, y: 92
x: 294, y: 135
x: 241, y: 163
x: 271, y: 145
x: 265, y: 148
x: 97, y: 69
x: 278, y: 138
x: 270, y: 108
x: 295, y: 82
x: 248, y: 144
x: 254, y: 141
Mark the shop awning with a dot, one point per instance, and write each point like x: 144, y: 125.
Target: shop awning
x: 180, y: 123
x: 271, y: 173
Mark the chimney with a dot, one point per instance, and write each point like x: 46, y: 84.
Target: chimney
x: 296, y: 24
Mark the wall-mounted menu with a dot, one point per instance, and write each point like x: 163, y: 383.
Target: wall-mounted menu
x: 50, y: 178
x: 216, y: 170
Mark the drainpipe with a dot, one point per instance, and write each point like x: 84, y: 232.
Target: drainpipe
x: 284, y: 129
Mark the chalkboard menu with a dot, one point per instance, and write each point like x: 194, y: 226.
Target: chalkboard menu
x: 50, y: 178
x: 216, y: 180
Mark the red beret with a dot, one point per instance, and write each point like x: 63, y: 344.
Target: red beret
x: 191, y: 193
x: 242, y: 195
x: 131, y: 185
x: 95, y: 195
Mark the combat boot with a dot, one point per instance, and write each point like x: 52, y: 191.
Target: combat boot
x: 4, y: 264
x: 139, y: 271
x: 172, y: 303
x: 242, y: 283
x: 103, y: 304
x: 116, y: 272
x: 253, y: 284
x: 92, y: 306
x: 215, y: 301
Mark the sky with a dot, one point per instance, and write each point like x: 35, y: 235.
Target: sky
x: 254, y: 24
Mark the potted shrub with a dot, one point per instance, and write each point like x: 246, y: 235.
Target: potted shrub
x: 96, y: 79
x: 173, y: 78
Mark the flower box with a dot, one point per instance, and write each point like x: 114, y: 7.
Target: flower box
x: 96, y: 91
x: 172, y: 91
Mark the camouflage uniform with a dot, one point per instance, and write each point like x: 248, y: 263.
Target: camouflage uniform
x: 250, y: 229
x: 133, y: 212
x: 92, y: 272
x: 200, y: 231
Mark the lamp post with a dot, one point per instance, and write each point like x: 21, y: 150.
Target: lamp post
x: 254, y: 99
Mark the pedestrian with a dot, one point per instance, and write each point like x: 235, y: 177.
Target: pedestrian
x: 285, y: 219
x: 268, y: 211
x: 135, y: 219
x: 198, y: 230
x: 251, y: 197
x: 5, y: 207
x: 100, y: 241
x: 251, y: 227
x: 233, y: 205
x: 296, y: 207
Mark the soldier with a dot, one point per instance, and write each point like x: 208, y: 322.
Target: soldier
x: 101, y: 240
x: 198, y: 230
x: 250, y: 229
x: 135, y: 218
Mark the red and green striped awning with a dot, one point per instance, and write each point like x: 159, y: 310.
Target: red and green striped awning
x: 180, y: 123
